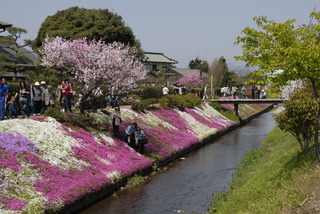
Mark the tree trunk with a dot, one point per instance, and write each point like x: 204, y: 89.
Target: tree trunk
x: 316, y: 128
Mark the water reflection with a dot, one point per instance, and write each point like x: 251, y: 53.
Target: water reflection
x: 190, y: 184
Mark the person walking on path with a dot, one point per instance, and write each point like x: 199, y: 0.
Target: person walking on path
x: 48, y: 97
x: 37, y: 98
x: 243, y: 92
x: 205, y: 93
x: 114, y: 101
x: 68, y: 95
x: 59, y: 95
x: 116, y: 121
x: 165, y: 91
x: 213, y: 92
x: 140, y: 138
x: 43, y: 87
x: 31, y: 104
x: 253, y: 87
x: 234, y: 92
x: 24, y: 97
x: 3, y: 96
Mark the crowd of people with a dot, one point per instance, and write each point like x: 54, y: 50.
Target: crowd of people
x: 241, y: 92
x: 183, y: 90
x: 33, y: 99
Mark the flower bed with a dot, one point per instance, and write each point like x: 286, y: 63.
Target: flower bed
x: 46, y: 165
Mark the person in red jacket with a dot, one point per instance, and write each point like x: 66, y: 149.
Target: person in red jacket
x: 67, y: 95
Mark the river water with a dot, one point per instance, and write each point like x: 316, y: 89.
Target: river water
x: 190, y: 182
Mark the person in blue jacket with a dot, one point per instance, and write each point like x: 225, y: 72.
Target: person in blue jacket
x: 140, y: 138
x: 3, y: 95
x: 130, y: 134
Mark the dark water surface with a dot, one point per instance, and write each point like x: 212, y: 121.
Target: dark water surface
x: 190, y: 183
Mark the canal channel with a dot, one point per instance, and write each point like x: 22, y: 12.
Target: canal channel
x: 190, y: 182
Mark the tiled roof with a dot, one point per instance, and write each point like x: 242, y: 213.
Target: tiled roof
x: 4, y: 25
x: 158, y: 58
x: 184, y: 71
x: 32, y: 56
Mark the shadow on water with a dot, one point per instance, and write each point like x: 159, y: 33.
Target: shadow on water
x: 190, y: 183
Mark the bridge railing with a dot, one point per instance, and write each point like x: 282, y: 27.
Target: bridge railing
x: 236, y: 102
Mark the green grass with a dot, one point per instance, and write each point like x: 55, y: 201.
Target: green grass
x: 265, y: 180
x: 135, y: 180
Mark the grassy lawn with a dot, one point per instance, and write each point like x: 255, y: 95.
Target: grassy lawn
x: 276, y: 178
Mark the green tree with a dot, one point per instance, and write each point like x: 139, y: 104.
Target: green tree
x: 94, y: 24
x: 202, y: 65
x: 299, y: 117
x: 283, y: 46
x: 10, y: 62
x: 220, y: 72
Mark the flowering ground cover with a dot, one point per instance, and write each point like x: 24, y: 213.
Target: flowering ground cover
x: 45, y: 165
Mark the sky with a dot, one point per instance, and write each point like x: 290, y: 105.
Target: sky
x: 180, y: 29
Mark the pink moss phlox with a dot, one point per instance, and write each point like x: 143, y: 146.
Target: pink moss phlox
x: 174, y: 119
x: 168, y: 141
x: 12, y: 203
x: 69, y: 184
x: 120, y: 156
x: 8, y: 159
x: 40, y: 119
x: 231, y: 108
x: 204, y: 120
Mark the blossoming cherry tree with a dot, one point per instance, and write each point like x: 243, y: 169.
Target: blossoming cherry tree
x: 95, y: 63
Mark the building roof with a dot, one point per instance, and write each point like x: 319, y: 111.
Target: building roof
x: 32, y: 56
x: 152, y: 57
x: 4, y: 25
x: 184, y: 71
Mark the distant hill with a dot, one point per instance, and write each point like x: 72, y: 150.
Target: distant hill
x: 240, y: 68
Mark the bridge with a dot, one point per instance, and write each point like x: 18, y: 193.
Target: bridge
x: 236, y: 102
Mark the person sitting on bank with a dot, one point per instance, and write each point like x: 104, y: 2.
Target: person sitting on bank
x: 140, y: 139
x: 130, y: 134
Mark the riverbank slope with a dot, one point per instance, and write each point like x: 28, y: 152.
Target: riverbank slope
x: 46, y: 166
x: 276, y: 178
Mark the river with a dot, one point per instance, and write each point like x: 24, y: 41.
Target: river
x: 190, y: 182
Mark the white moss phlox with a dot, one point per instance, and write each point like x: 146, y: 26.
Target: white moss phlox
x: 130, y: 114
x: 208, y: 110
x: 54, y: 144
x: 198, y: 129
x: 154, y: 120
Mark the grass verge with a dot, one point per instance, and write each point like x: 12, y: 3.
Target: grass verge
x: 269, y: 180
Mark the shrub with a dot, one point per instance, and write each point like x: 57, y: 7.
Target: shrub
x: 180, y: 101
x: 54, y: 112
x: 299, y: 117
x: 199, y: 91
x: 150, y: 92
x: 130, y: 99
x: 146, y: 104
x: 135, y: 97
x: 218, y: 92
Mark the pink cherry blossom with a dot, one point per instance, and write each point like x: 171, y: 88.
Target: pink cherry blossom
x: 95, y: 63
x: 191, y: 79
